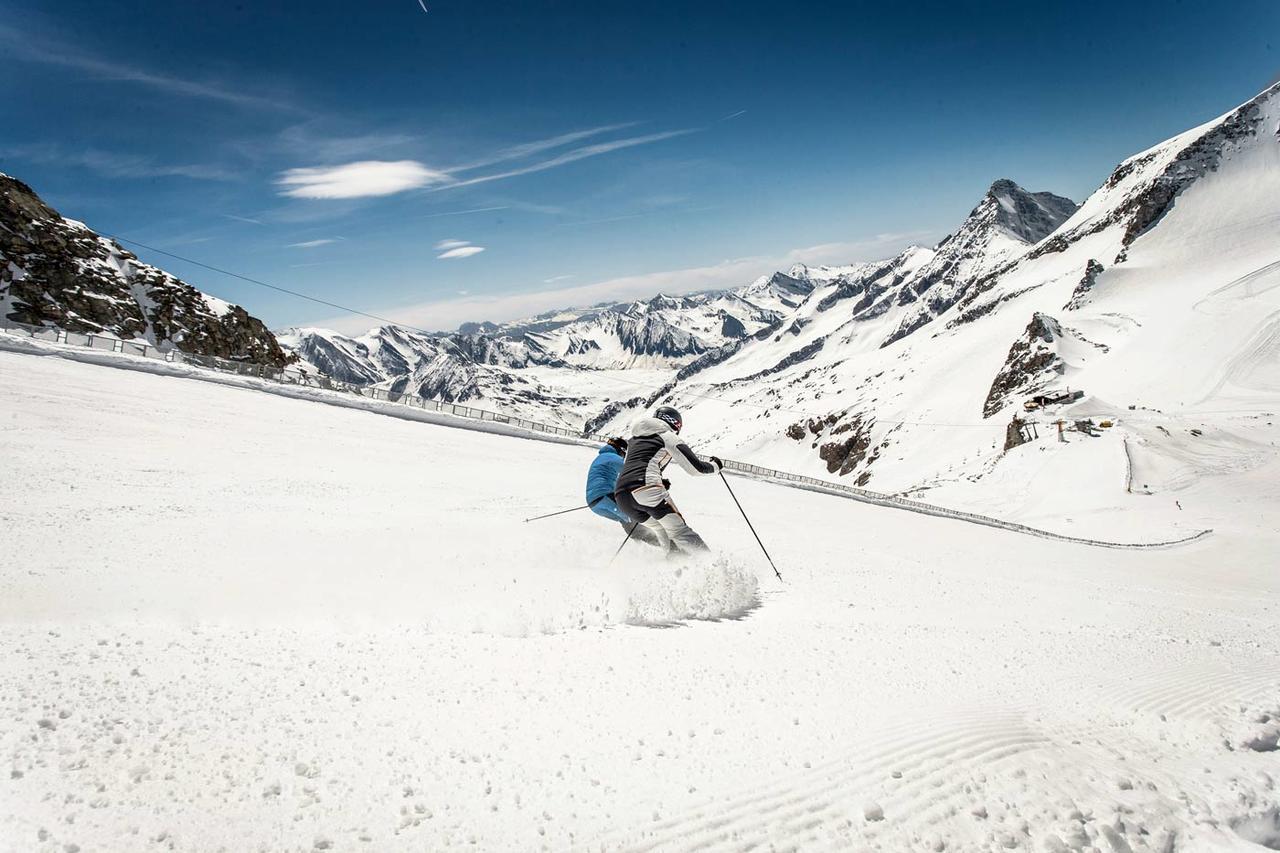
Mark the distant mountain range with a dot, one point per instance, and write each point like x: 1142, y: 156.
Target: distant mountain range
x: 884, y: 370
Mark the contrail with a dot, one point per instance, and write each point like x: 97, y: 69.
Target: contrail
x: 423, y: 5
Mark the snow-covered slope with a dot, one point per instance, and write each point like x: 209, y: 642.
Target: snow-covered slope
x: 325, y: 629
x: 57, y: 272
x: 1158, y: 298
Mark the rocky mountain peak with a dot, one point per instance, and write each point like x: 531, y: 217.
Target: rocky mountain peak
x: 57, y: 272
x: 1027, y: 216
x: 19, y: 201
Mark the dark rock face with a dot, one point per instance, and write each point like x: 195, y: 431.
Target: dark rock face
x: 482, y: 348
x: 330, y: 360
x: 55, y: 272
x: 858, y: 286
x: 842, y: 455
x: 709, y: 359
x: 1080, y: 296
x: 790, y: 286
x: 797, y: 325
x: 649, y: 334
x: 805, y: 353
x: 1029, y: 216
x: 731, y: 327
x: 610, y: 412
x: 1032, y: 363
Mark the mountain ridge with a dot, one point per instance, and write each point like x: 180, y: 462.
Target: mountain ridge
x: 56, y: 271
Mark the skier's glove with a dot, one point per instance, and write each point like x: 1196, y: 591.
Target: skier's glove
x: 719, y: 463
x: 666, y: 484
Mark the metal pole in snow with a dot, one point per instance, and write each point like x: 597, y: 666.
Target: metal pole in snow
x: 624, y: 544
x: 561, y: 512
x: 749, y: 524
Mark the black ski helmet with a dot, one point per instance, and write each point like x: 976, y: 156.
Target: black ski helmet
x: 669, y: 416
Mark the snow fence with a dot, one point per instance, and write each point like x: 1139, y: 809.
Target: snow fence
x: 126, y: 353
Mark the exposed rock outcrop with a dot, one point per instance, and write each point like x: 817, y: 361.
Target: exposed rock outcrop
x: 1032, y: 363
x: 1080, y: 296
x: 57, y: 272
x: 842, y: 454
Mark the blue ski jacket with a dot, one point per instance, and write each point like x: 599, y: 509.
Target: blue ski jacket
x: 602, y: 476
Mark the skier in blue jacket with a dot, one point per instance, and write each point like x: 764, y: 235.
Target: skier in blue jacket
x: 602, y: 476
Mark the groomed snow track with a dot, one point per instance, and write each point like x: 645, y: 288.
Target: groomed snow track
x: 108, y: 351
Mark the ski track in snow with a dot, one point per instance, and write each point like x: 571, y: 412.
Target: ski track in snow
x: 238, y: 621
x: 915, y: 771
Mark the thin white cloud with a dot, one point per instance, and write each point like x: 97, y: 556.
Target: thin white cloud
x: 460, y: 252
x: 528, y: 149
x: 464, y: 212
x: 556, y: 278
x: 734, y: 115
x: 449, y: 313
x: 311, y: 244
x: 33, y: 48
x: 358, y: 180
x: 572, y: 157
x: 451, y: 244
x: 250, y: 220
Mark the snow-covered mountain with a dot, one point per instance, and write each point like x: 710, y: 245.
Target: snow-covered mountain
x: 574, y: 362
x: 477, y: 367
x: 56, y: 272
x: 1158, y: 293
x: 657, y: 333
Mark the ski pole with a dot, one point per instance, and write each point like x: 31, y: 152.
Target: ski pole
x: 749, y: 524
x: 624, y: 543
x: 561, y: 512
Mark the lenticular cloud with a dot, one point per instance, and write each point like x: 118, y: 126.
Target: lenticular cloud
x: 355, y: 180
x: 460, y: 252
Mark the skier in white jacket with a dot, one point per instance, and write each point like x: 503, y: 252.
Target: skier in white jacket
x: 641, y: 491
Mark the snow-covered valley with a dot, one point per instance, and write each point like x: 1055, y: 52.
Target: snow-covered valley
x: 238, y: 621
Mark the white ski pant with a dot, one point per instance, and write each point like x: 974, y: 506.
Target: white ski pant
x: 661, y: 518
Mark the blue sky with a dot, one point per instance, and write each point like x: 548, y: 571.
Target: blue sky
x: 486, y: 160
